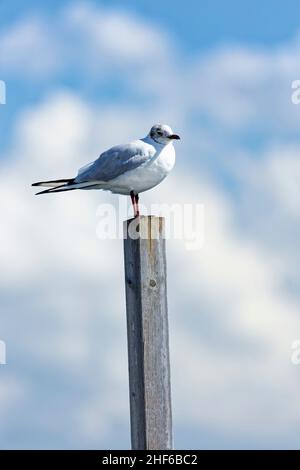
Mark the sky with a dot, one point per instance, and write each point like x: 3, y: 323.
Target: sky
x: 81, y: 77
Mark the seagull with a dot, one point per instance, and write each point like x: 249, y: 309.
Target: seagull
x: 127, y: 169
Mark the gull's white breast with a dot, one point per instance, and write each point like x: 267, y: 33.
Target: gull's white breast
x: 147, y: 175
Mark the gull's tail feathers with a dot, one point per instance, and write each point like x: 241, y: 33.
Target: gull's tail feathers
x: 68, y: 185
x: 54, y: 183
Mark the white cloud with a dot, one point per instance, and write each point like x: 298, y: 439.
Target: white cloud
x: 49, y: 246
x: 279, y: 175
x: 82, y: 39
x: 247, y: 89
x: 27, y: 49
x: 233, y: 327
x: 116, y: 35
x: 14, y: 394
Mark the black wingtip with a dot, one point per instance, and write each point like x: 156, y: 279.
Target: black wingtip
x: 54, y: 182
x: 43, y: 192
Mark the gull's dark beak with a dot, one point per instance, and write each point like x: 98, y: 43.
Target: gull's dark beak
x: 174, y: 137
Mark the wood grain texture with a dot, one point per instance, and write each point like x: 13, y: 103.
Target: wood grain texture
x: 148, y: 336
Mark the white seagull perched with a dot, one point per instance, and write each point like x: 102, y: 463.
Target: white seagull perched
x: 127, y: 169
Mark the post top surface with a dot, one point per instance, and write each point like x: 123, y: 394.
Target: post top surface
x: 145, y: 227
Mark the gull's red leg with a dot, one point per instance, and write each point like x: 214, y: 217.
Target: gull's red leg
x: 137, y: 205
x: 133, y: 200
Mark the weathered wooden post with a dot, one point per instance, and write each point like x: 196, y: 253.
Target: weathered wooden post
x: 148, y: 335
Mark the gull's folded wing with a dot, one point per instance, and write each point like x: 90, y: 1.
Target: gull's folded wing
x: 116, y: 161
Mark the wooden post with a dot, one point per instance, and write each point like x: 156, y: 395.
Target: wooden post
x: 148, y: 336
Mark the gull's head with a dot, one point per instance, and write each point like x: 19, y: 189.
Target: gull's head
x: 162, y: 134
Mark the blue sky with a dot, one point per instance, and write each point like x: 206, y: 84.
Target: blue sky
x: 197, y: 24
x: 196, y: 28
x: 81, y: 77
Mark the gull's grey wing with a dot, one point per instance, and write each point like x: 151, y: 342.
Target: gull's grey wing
x: 116, y: 161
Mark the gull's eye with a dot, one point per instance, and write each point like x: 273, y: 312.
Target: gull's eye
x: 159, y: 133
